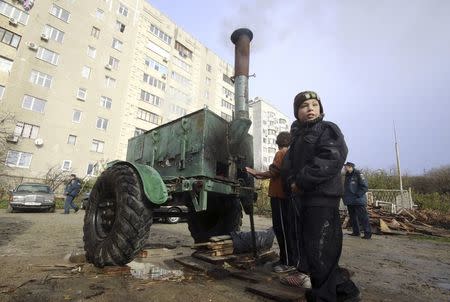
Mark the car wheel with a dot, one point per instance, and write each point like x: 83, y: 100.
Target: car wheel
x: 52, y: 209
x: 117, y: 219
x: 173, y: 220
x: 10, y: 209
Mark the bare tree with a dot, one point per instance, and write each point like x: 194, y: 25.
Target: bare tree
x: 6, y: 122
x: 56, y: 177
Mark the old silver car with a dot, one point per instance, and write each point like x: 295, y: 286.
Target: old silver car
x: 32, y: 196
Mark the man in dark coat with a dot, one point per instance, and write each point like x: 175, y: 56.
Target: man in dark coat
x: 316, y: 156
x: 355, y: 199
x: 71, y: 191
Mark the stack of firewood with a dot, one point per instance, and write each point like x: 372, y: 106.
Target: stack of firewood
x: 216, y: 246
x: 403, y: 223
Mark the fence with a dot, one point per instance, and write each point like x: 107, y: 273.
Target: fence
x: 391, y: 200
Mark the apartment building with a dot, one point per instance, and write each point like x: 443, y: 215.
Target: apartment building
x: 82, y: 77
x: 267, y: 122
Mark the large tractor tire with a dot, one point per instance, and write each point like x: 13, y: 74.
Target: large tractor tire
x: 118, y: 219
x: 223, y: 216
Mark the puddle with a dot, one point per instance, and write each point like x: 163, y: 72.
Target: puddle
x: 444, y: 285
x: 149, y: 271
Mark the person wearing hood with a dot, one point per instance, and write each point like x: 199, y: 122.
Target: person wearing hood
x: 355, y: 188
x: 316, y: 156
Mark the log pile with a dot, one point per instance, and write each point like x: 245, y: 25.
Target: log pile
x: 406, y: 222
x: 216, y: 246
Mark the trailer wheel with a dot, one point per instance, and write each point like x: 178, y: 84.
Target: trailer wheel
x: 223, y: 216
x: 118, y: 219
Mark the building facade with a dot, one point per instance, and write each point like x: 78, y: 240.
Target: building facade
x: 267, y: 122
x: 82, y: 77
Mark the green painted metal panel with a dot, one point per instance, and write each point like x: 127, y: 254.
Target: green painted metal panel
x: 154, y: 188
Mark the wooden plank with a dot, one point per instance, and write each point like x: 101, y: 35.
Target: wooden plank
x: 277, y: 292
x: 220, y: 238
x: 195, y: 264
x: 212, y: 259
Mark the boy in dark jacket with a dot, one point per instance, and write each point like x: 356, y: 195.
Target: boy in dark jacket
x: 71, y: 191
x: 316, y: 156
x: 355, y: 188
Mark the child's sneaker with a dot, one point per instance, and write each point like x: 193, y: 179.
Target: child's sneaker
x: 283, y: 268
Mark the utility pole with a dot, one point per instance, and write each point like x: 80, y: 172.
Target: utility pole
x: 397, y: 153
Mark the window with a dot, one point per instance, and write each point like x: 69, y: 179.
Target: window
x: 5, y: 64
x: 160, y: 34
x: 18, y: 159
x: 10, y: 11
x: 155, y: 65
x: 2, y: 91
x: 110, y: 82
x: 150, y: 98
x: 32, y: 103
x: 138, y: 131
x: 157, y: 49
x: 101, y: 123
x: 76, y: 116
x: 117, y: 44
x: 9, y: 38
x: 183, y: 51
x: 178, y: 95
x: 97, y: 146
x: 47, y: 55
x: 66, y: 165
x: 182, y: 64
x: 91, y: 52
x: 81, y: 94
x: 92, y: 169
x: 123, y: 10
x: 120, y: 26
x: 148, y: 116
x: 226, y: 116
x: 208, y: 68
x: 207, y: 94
x: 86, y: 72
x: 60, y: 13
x: 227, y: 105
x: 208, y: 81
x: 53, y: 33
x: 177, y: 110
x: 154, y: 82
x: 99, y: 14
x: 180, y: 79
x: 41, y: 79
x: 72, y: 139
x: 227, y: 79
x: 228, y: 93
x: 114, y: 62
x: 95, y: 32
x: 105, y: 102
x: 26, y: 130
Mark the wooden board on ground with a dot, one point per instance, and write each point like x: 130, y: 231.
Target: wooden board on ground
x: 195, y: 264
x: 212, y: 259
x: 250, y: 275
x: 277, y: 292
x: 220, y: 238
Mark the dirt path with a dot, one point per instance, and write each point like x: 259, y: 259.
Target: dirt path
x: 31, y: 244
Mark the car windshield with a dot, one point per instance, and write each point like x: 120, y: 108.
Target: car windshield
x: 34, y: 189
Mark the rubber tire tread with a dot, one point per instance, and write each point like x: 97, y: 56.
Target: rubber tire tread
x: 133, y: 218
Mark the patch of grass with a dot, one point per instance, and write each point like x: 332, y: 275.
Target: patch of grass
x: 3, y: 204
x: 431, y: 238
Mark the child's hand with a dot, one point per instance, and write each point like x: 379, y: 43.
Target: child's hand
x: 294, y: 188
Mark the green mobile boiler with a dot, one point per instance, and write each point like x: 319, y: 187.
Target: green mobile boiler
x: 198, y: 160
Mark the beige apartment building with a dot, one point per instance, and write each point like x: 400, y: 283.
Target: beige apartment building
x: 267, y: 122
x: 82, y: 77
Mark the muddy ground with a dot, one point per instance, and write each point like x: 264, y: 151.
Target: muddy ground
x: 34, y: 266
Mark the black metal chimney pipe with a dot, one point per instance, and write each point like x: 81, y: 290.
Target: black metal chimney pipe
x: 241, y: 39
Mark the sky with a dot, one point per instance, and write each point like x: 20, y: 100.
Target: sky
x: 373, y: 63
